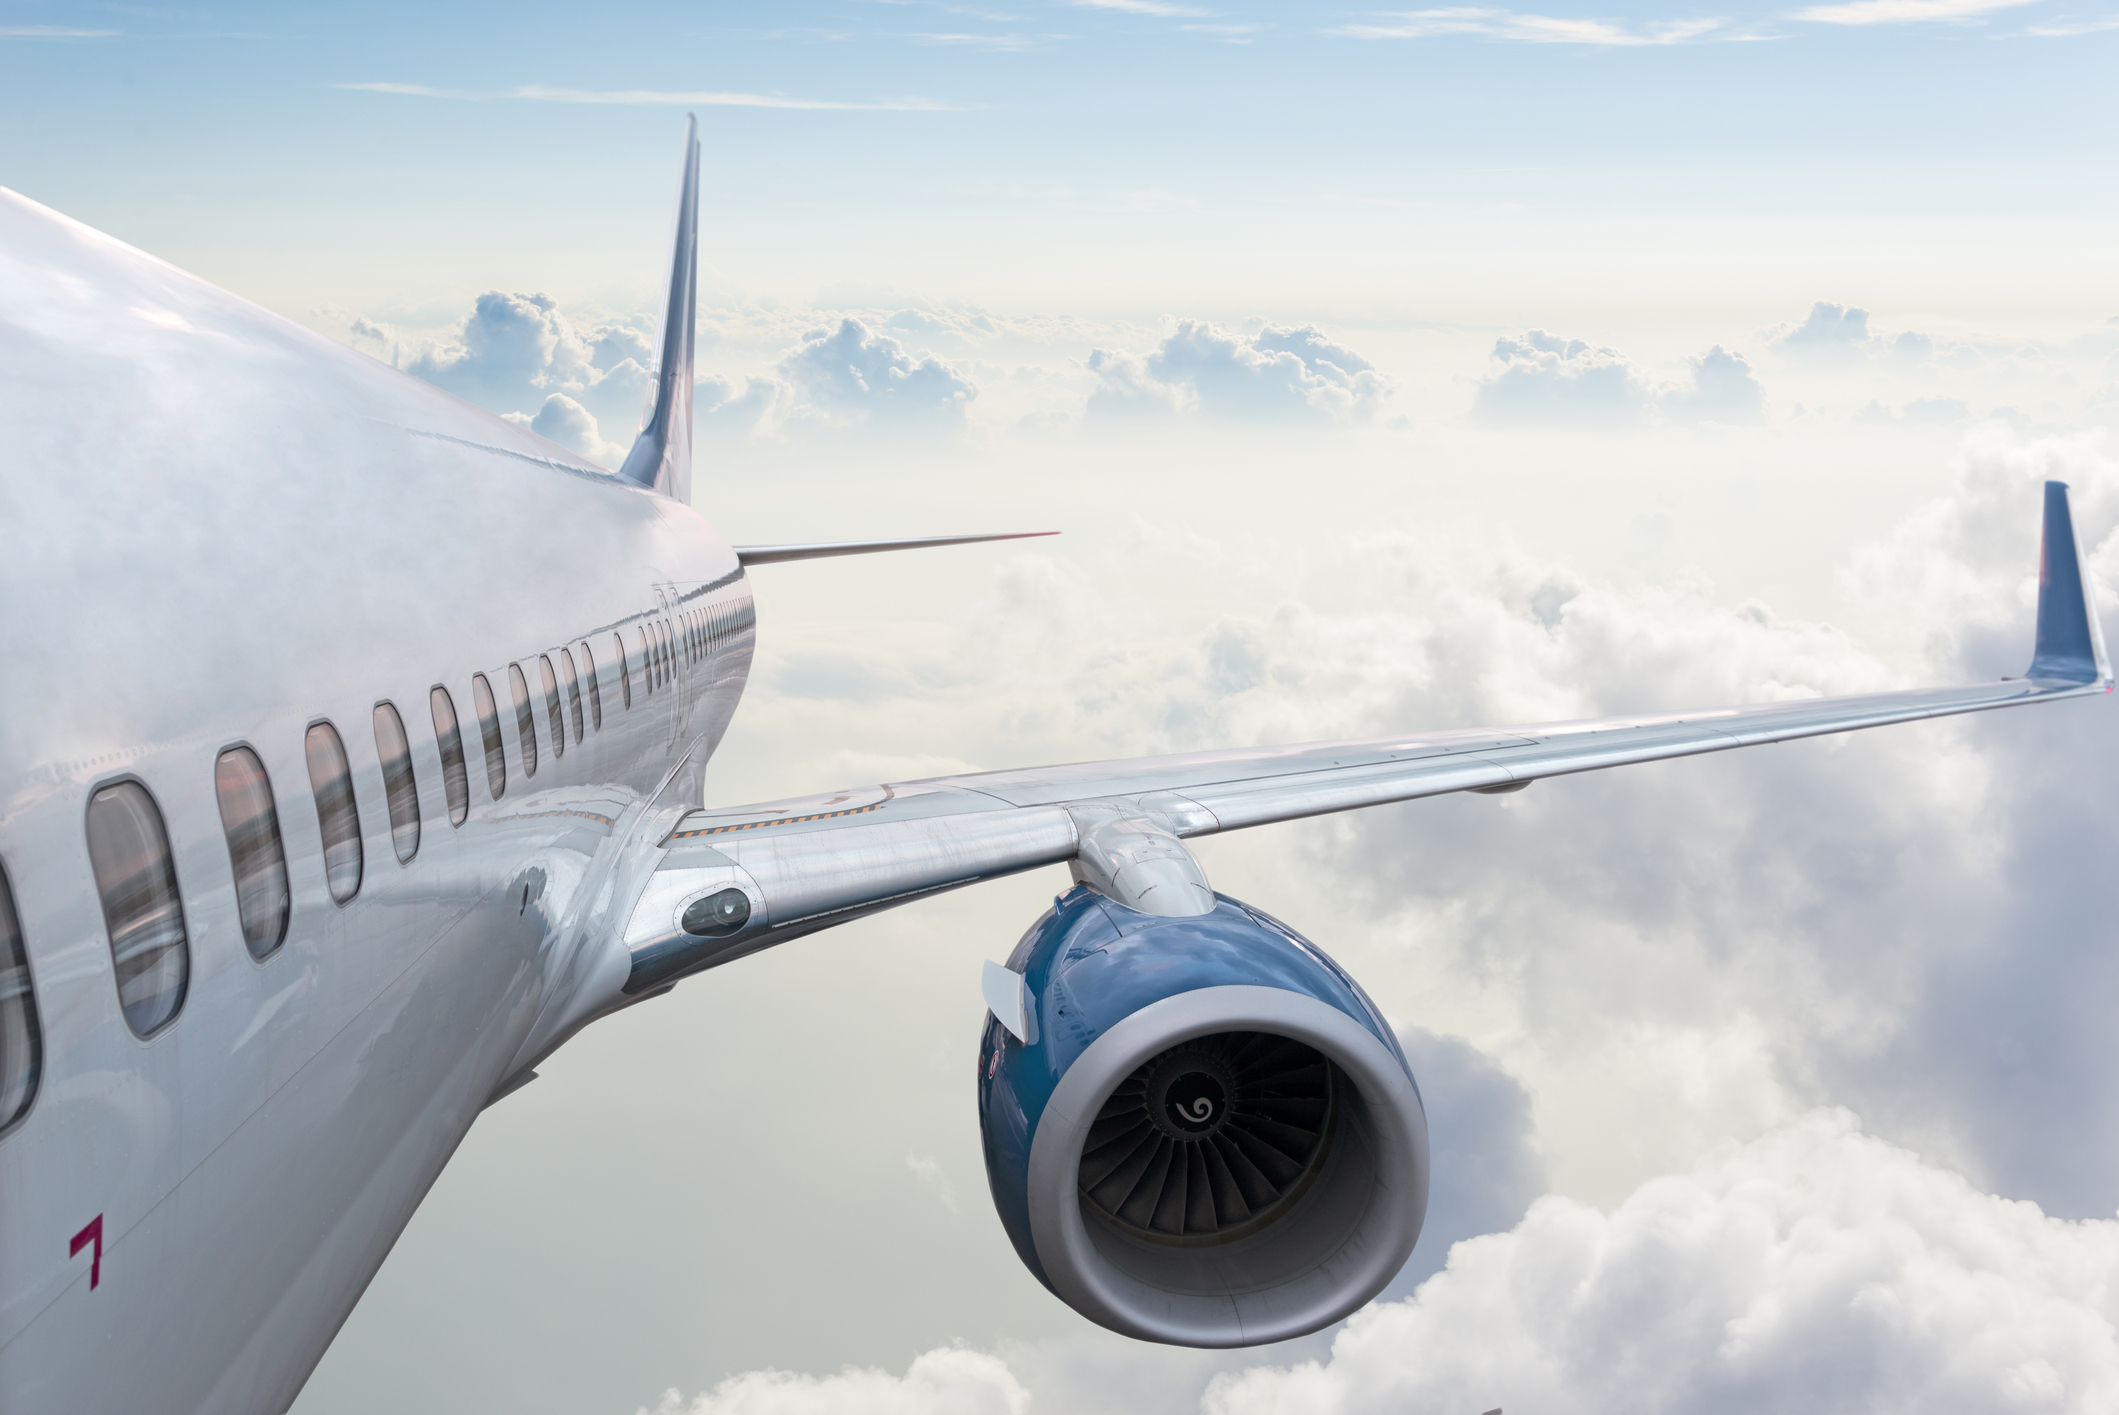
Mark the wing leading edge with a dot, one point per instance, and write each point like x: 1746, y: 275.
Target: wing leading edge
x: 809, y: 863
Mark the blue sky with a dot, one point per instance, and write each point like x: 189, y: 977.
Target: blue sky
x: 1094, y: 154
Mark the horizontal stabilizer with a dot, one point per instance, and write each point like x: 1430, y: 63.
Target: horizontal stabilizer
x: 768, y: 554
x: 2070, y: 646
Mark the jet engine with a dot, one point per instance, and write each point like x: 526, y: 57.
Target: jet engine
x: 1198, y: 1129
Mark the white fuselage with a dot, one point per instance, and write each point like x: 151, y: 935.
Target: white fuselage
x: 220, y: 529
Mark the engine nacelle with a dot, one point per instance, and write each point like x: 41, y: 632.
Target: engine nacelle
x: 1209, y: 1136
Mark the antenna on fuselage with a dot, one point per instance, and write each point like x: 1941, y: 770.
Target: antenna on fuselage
x: 661, y: 458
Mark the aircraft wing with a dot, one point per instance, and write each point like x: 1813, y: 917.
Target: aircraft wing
x: 731, y: 881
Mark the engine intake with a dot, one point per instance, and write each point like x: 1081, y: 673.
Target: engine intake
x: 1214, y: 1139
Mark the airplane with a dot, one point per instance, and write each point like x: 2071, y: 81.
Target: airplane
x: 354, y: 765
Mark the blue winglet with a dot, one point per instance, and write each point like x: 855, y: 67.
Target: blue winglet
x: 2070, y: 646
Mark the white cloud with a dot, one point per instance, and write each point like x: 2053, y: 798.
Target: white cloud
x: 1723, y: 391
x: 722, y: 405
x: 851, y: 372
x: 1892, y: 12
x: 566, y: 422
x: 1276, y: 374
x: 684, y: 98
x: 1528, y: 29
x: 1829, y: 331
x: 54, y: 32
x: 1144, y: 7
x: 1547, y: 380
x: 949, y: 1381
x: 1813, y: 1268
x: 514, y: 352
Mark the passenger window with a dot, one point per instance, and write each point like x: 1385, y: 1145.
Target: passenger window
x: 21, y: 1041
x: 400, y: 788
x: 551, y: 705
x: 331, y: 779
x: 588, y: 663
x: 525, y: 718
x: 252, y: 826
x: 647, y: 663
x: 129, y: 850
x: 625, y: 672
x: 489, y: 735
x: 455, y: 781
x: 566, y: 661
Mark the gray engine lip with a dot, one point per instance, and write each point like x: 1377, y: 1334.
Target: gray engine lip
x: 1083, y: 1278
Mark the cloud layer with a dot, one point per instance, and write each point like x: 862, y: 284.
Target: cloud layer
x: 1275, y: 374
x: 1813, y: 1268
x: 944, y: 1382
x: 1549, y: 381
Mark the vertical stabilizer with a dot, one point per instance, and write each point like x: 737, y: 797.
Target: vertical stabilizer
x: 662, y: 455
x: 2070, y: 646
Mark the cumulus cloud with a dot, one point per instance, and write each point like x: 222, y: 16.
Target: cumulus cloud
x: 515, y: 353
x: 949, y: 1381
x: 1813, y: 1268
x: 1276, y: 374
x: 1830, y: 330
x: 1723, y: 391
x: 851, y: 373
x: 1546, y: 380
x: 566, y: 422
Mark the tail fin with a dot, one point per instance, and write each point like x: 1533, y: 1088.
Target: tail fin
x: 2070, y: 646
x: 661, y: 458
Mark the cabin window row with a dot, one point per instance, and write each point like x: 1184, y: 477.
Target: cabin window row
x: 135, y: 872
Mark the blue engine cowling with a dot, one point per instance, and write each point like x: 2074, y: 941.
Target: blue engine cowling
x: 1210, y: 1137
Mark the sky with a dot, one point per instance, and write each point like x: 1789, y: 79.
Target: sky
x: 1383, y: 370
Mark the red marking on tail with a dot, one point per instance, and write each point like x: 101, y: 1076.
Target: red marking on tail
x: 91, y: 1234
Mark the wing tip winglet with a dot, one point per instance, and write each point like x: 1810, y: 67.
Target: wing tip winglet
x: 2070, y: 642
